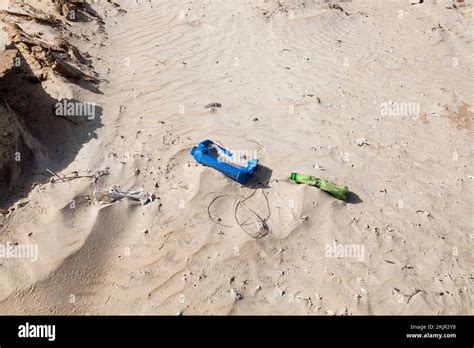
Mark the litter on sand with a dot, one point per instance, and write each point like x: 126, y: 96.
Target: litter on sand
x: 251, y: 220
x: 362, y: 142
x: 116, y: 193
x: 207, y: 153
x: 213, y: 105
x: 323, y: 184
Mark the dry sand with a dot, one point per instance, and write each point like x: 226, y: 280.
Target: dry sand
x: 299, y: 82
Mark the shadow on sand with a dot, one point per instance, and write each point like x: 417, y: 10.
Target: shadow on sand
x: 46, y: 141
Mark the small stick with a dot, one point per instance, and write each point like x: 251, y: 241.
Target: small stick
x: 69, y: 178
x: 159, y: 61
x: 51, y: 172
x: 413, y: 294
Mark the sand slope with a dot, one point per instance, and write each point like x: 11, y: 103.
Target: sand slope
x: 298, y: 84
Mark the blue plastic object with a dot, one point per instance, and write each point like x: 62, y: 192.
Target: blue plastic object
x: 206, y: 153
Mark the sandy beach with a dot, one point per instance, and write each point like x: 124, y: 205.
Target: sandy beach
x: 375, y: 95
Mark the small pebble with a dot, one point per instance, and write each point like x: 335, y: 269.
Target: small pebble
x: 318, y: 167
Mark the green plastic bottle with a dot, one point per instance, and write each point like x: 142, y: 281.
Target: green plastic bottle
x: 323, y: 184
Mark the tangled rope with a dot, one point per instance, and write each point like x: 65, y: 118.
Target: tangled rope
x: 264, y: 229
